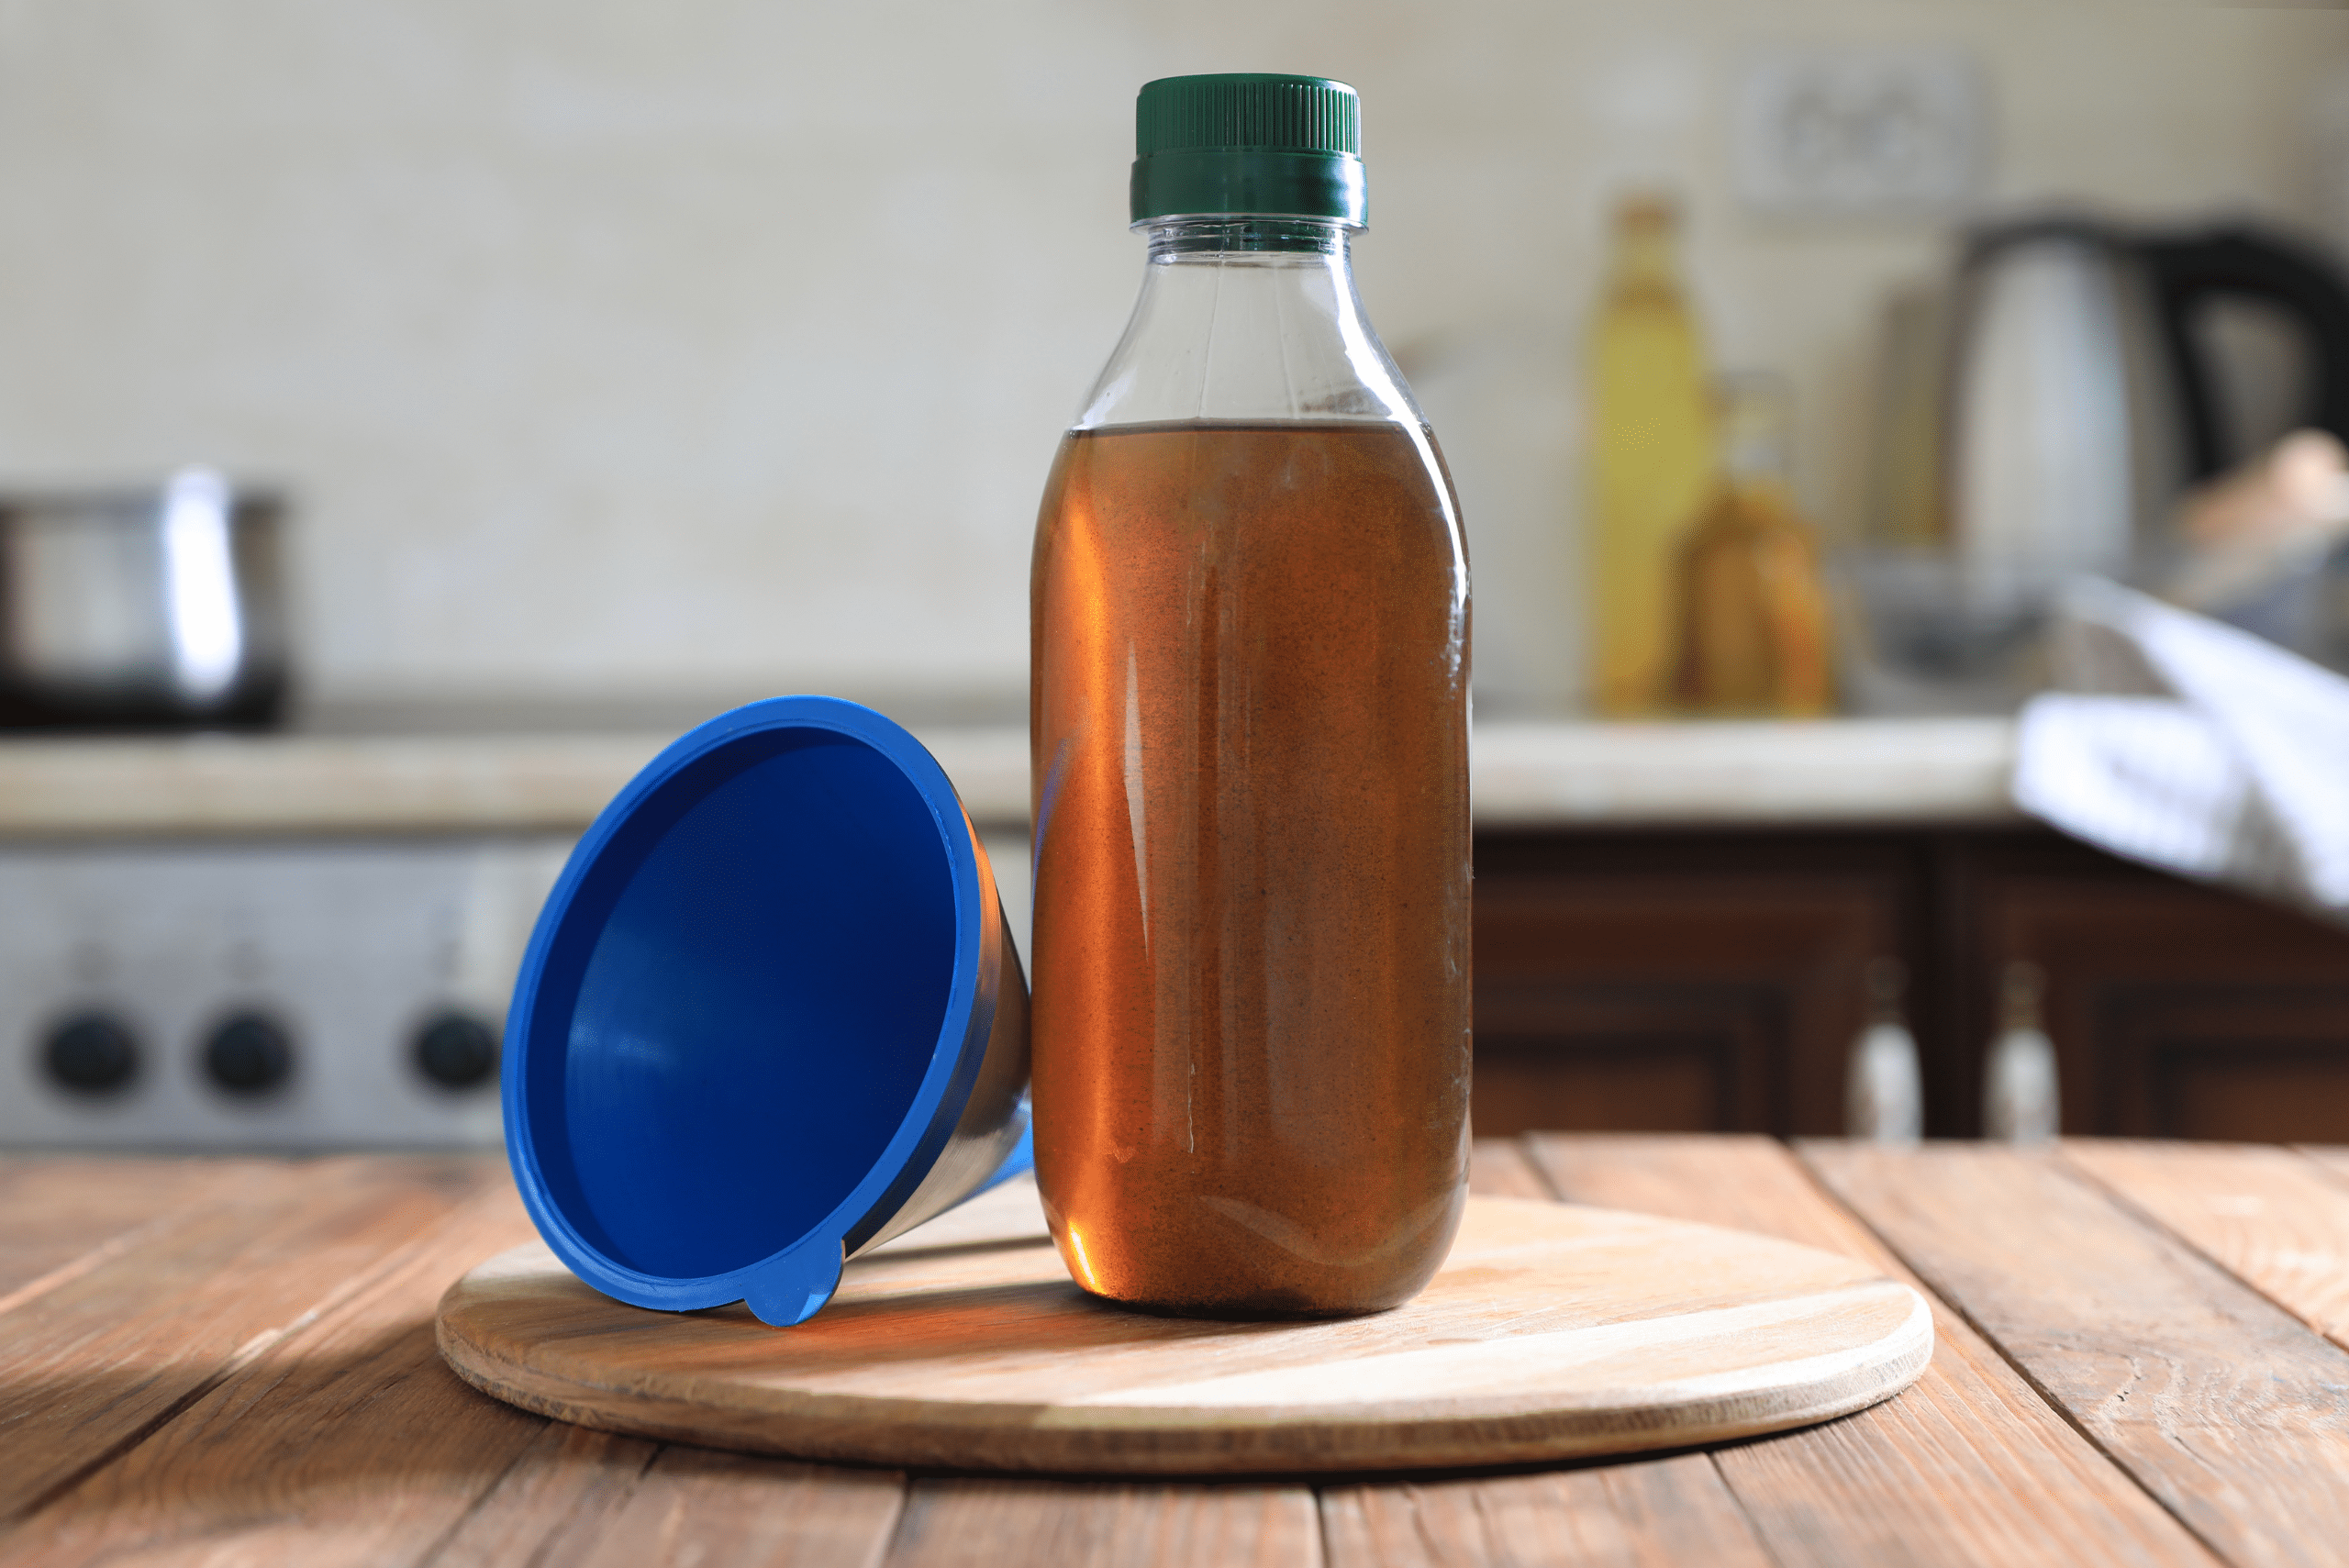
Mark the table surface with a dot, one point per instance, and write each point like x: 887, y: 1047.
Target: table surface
x: 2144, y: 1358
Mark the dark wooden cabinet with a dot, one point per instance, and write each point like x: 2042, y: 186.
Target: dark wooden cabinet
x: 1715, y: 982
x: 2177, y: 1010
x: 1644, y: 982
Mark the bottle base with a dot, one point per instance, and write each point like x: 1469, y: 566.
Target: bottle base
x: 1271, y: 1307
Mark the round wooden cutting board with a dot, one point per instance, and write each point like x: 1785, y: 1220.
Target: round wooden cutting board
x: 1553, y: 1332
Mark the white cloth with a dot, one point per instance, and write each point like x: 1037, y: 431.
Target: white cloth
x: 2192, y: 746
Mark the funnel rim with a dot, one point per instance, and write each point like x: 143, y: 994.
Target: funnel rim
x: 922, y: 1130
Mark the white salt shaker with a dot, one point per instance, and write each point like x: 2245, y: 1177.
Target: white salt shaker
x: 1884, y: 1097
x: 2019, y: 1091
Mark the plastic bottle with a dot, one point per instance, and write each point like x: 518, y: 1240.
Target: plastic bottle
x: 1651, y: 455
x: 1749, y: 614
x: 1250, y: 723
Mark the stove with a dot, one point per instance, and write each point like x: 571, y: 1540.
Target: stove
x: 307, y: 941
x: 261, y: 994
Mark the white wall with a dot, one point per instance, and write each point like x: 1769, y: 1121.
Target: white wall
x: 704, y: 345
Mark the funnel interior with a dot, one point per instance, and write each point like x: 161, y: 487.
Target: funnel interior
x: 741, y: 1003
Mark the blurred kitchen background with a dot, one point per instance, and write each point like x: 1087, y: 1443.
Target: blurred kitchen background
x: 618, y: 363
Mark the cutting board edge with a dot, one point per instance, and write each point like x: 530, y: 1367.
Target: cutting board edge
x: 1113, y: 1439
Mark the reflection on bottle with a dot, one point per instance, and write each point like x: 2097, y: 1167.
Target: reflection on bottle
x: 2018, y: 1090
x: 1749, y: 614
x: 1883, y: 1098
x: 1651, y: 454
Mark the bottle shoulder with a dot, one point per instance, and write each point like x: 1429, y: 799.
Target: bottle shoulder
x: 1751, y: 514
x: 1237, y: 340
x: 1376, y: 486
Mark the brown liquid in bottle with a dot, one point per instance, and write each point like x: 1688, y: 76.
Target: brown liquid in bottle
x: 1251, y: 1008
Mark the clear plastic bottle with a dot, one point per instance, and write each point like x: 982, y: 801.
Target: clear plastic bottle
x: 1651, y: 458
x: 1250, y: 716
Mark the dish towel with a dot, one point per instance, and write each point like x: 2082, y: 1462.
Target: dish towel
x: 2188, y: 744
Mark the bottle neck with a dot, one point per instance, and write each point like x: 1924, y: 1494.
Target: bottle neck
x: 1644, y: 262
x: 1646, y: 255
x: 1247, y: 319
x: 1756, y: 424
x: 1177, y: 240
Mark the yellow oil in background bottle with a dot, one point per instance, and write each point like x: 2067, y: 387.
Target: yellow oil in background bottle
x: 1749, y: 613
x: 1651, y: 455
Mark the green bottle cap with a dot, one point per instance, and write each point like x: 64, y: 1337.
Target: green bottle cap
x: 1273, y: 146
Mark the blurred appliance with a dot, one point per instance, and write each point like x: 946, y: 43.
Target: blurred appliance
x: 260, y: 993
x: 160, y: 607
x: 2086, y: 390
x: 2041, y: 415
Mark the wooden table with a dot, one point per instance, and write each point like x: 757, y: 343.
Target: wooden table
x: 2141, y: 1360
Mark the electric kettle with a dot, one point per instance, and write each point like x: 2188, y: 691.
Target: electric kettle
x: 2083, y: 394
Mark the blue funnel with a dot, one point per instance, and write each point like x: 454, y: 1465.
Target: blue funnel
x: 771, y: 1016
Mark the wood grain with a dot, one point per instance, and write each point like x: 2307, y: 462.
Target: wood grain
x: 2232, y: 1412
x: 1617, y: 1516
x: 59, y: 1218
x: 694, y: 1509
x: 1550, y: 1331
x: 340, y: 1439
x: 552, y: 1504
x: 952, y: 1521
x: 327, y: 1433
x: 961, y: 1523
x: 2275, y: 1220
x: 1970, y: 1460
x: 94, y: 1362
x: 1638, y: 1511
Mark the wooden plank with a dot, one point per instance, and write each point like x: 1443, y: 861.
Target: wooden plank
x: 1648, y: 1511
x: 552, y: 1504
x: 343, y: 1440
x: 697, y: 1508
x: 91, y: 1364
x: 2275, y: 1220
x: 955, y: 1523
x: 60, y: 1217
x: 2231, y: 1411
x: 1617, y: 1516
x: 1968, y: 1465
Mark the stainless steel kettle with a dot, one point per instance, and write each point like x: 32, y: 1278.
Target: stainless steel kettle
x: 2084, y: 395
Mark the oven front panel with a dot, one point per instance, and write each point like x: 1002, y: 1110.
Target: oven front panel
x: 260, y: 995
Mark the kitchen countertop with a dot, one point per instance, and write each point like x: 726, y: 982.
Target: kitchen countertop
x: 1527, y: 774
x: 2141, y: 1358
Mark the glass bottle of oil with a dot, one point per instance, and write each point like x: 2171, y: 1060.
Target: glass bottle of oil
x: 1250, y: 725
x: 1749, y: 611
x: 1651, y: 455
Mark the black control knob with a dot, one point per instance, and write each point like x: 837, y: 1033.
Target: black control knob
x: 90, y: 1054
x: 249, y: 1054
x: 456, y: 1050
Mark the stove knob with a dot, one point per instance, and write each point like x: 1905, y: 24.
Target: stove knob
x: 456, y: 1050
x: 249, y: 1054
x: 90, y: 1054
